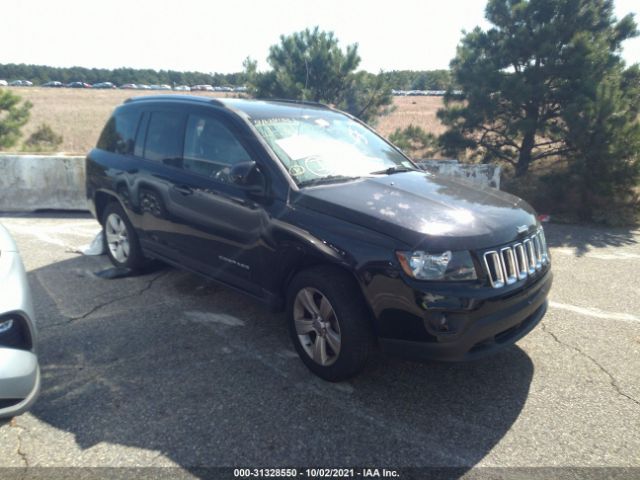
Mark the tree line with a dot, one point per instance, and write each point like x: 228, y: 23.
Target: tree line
x: 39, y: 74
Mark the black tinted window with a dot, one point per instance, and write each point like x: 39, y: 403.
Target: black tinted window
x: 119, y: 134
x: 164, y: 138
x: 210, y: 146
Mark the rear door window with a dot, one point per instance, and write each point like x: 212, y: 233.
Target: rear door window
x: 165, y: 135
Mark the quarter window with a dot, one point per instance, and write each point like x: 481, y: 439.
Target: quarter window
x: 119, y: 134
x: 164, y: 138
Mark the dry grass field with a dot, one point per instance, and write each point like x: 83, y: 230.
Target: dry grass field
x: 420, y: 111
x: 79, y: 115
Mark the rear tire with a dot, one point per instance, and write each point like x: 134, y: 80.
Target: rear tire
x: 121, y: 241
x: 329, y: 322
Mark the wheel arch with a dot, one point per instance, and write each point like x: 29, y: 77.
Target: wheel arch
x: 102, y: 199
x: 311, y: 261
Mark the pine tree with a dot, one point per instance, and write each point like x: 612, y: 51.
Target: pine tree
x: 310, y: 65
x: 540, y: 59
x: 14, y: 114
x: 603, y: 133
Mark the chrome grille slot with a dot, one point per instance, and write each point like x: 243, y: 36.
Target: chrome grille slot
x: 494, y: 269
x: 538, y: 251
x: 545, y: 250
x: 509, y: 267
x: 512, y: 263
x: 531, y: 255
x: 521, y: 259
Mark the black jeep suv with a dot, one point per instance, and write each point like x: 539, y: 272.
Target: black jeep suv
x: 307, y: 209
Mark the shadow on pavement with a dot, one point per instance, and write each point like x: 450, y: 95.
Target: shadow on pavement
x: 584, y: 238
x: 47, y: 213
x: 172, y: 363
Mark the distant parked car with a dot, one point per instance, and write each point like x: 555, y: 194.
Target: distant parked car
x: 159, y: 87
x: 3, y: 83
x: 129, y: 86
x: 203, y: 88
x: 53, y: 84
x: 104, y: 85
x: 182, y: 88
x: 142, y: 86
x: 19, y: 370
x: 21, y: 83
x: 78, y: 85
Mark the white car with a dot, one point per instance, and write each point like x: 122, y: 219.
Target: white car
x: 202, y: 88
x: 3, y: 83
x: 19, y: 370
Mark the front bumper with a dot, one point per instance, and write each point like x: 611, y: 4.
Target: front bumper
x: 19, y: 371
x: 19, y: 381
x: 487, y: 324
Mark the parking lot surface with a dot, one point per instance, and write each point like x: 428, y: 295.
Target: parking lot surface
x: 169, y: 369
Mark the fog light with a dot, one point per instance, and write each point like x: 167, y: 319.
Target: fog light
x: 439, y: 323
x: 6, y: 326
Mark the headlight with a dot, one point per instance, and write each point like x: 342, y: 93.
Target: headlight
x: 452, y: 266
x: 14, y: 332
x: 6, y: 325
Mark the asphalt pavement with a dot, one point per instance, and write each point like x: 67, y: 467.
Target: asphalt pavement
x: 168, y: 369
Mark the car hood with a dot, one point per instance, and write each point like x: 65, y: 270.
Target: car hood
x: 424, y: 210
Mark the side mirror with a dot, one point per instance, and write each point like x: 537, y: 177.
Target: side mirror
x: 247, y: 176
x: 240, y: 173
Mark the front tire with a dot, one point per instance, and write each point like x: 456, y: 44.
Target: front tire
x: 123, y: 247
x: 329, y: 323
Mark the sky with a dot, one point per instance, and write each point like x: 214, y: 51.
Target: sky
x: 216, y: 36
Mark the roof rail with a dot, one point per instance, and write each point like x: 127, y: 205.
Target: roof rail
x: 170, y: 97
x: 297, y: 102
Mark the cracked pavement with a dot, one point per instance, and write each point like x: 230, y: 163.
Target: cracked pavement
x: 168, y: 369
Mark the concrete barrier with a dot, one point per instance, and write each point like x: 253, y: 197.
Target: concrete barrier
x: 485, y: 175
x: 34, y: 182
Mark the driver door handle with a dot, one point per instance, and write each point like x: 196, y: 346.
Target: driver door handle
x: 183, y: 189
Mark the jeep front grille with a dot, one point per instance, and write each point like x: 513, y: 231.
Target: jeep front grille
x: 517, y: 261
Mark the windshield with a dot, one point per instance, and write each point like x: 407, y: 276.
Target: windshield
x: 326, y: 145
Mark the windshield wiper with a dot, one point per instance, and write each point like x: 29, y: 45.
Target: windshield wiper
x: 324, y: 180
x: 395, y: 169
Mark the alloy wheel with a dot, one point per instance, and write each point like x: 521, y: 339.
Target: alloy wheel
x: 117, y: 237
x: 317, y: 326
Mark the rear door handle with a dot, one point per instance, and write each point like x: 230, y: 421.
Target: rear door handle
x: 183, y: 189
